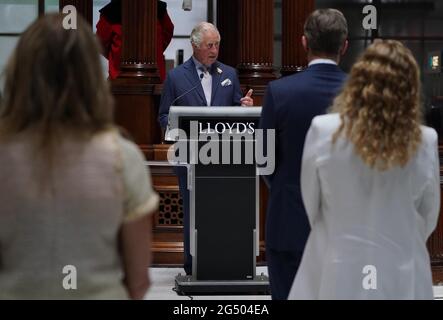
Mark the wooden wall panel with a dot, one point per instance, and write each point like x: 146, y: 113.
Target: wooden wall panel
x: 135, y: 88
x: 168, y: 221
x: 137, y: 115
x: 294, y: 14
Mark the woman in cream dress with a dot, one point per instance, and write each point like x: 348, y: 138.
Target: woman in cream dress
x: 75, y: 196
x: 371, y: 186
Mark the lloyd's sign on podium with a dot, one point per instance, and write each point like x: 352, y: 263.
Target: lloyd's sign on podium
x: 224, y: 150
x: 232, y: 128
x: 223, y: 138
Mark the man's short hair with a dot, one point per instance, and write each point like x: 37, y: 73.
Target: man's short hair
x: 326, y: 30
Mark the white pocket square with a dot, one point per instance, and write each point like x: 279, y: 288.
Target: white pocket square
x: 226, y: 82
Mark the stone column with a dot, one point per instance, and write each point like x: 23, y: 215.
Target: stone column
x: 247, y: 31
x: 138, y: 85
x: 139, y: 23
x: 256, y: 42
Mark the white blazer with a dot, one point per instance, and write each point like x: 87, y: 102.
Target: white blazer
x: 369, y: 228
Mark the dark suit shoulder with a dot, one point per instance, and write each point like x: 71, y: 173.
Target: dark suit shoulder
x: 287, y: 84
x: 306, y: 77
x: 284, y: 80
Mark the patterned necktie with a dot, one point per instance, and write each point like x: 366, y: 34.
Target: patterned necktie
x: 207, y: 84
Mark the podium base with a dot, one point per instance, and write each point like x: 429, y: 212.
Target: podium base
x: 186, y: 285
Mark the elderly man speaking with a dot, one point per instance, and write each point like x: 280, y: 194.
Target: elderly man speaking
x: 200, y: 81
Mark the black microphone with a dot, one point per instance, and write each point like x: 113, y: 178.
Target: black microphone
x: 193, y: 88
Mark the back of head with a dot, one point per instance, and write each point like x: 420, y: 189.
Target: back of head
x: 54, y: 82
x: 380, y: 105
x: 326, y: 30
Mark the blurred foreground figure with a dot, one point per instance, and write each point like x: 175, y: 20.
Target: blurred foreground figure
x: 75, y: 196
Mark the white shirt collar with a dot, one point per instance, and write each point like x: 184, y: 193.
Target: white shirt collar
x: 318, y: 61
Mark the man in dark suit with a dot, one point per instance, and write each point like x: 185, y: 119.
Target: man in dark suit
x: 200, y: 81
x: 290, y: 104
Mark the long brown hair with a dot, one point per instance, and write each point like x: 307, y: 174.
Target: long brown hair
x: 54, y: 84
x: 380, y: 106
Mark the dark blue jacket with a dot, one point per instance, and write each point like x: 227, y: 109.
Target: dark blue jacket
x: 290, y: 104
x: 185, y: 77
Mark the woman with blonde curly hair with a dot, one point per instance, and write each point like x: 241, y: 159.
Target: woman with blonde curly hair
x: 371, y: 186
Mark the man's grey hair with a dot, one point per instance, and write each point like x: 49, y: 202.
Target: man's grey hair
x: 326, y: 30
x: 197, y: 32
